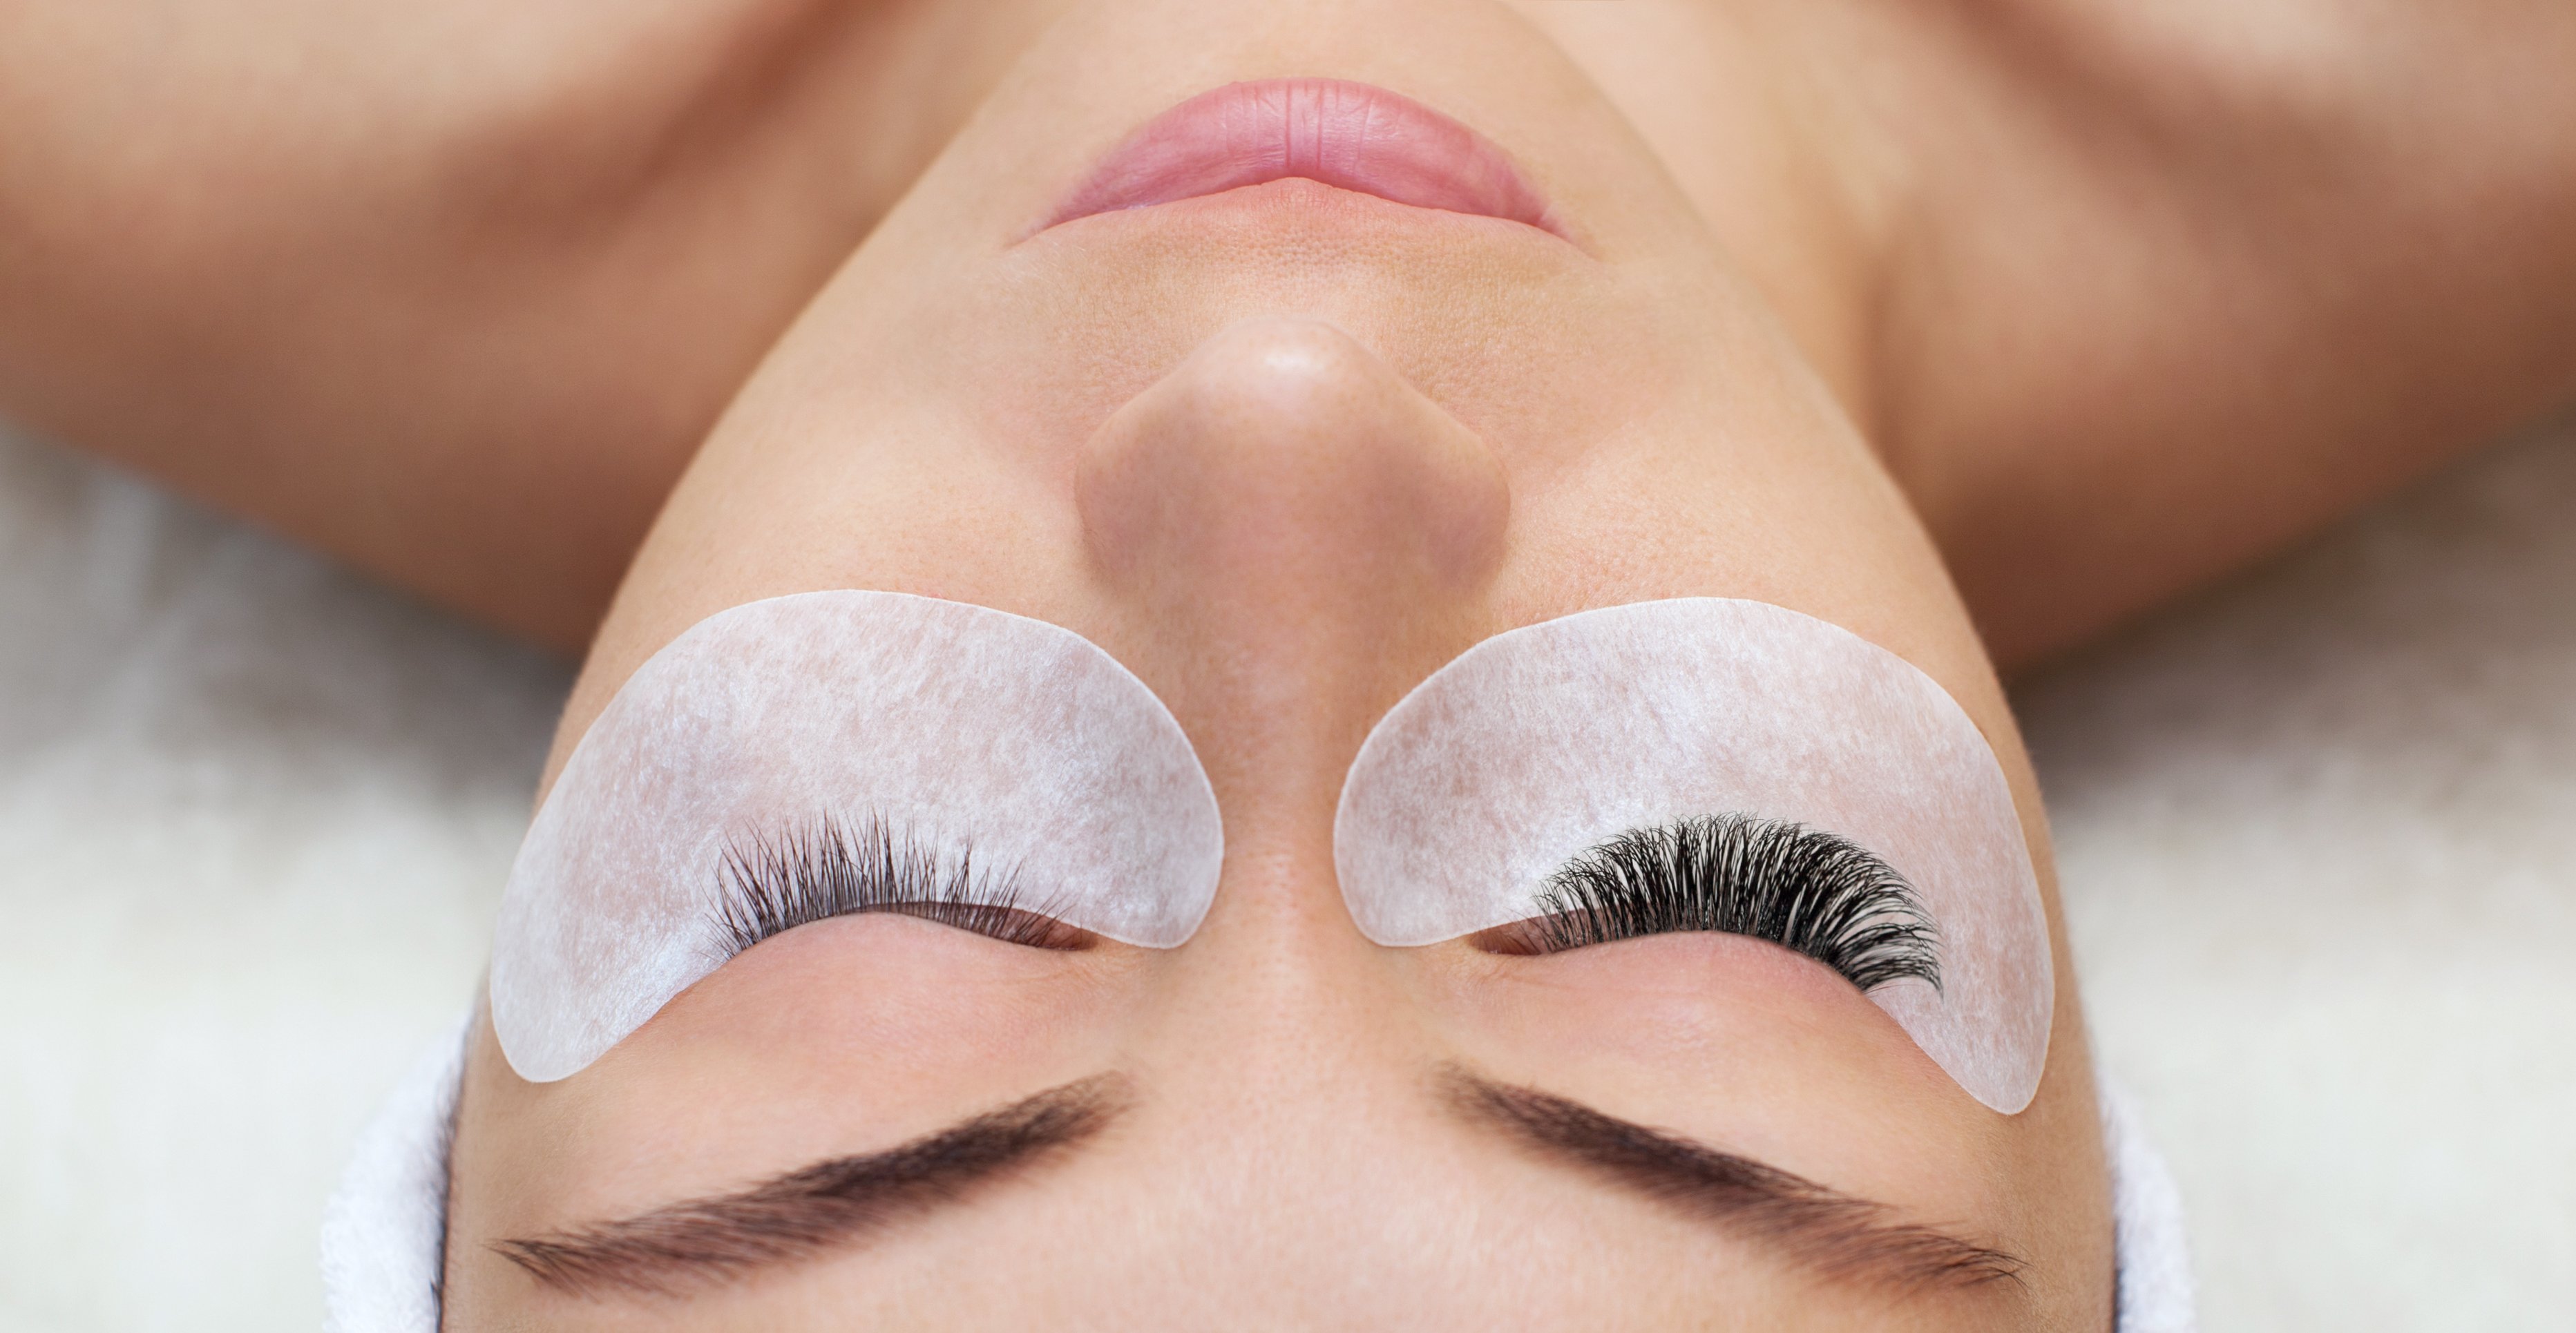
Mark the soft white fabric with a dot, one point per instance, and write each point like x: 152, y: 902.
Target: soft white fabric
x: 2313, y: 831
x: 384, y: 1233
x: 2155, y: 1288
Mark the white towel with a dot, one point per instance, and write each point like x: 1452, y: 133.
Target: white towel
x: 384, y: 1235
x: 2155, y: 1290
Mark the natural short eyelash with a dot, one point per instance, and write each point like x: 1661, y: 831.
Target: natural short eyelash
x: 771, y: 883
x: 1813, y: 892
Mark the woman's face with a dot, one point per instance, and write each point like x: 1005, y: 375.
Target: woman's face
x: 1283, y: 451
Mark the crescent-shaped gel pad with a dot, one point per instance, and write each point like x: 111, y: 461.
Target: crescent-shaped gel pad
x: 1543, y: 742
x: 956, y: 724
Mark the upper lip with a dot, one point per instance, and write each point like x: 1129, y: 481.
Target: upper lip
x: 1354, y: 136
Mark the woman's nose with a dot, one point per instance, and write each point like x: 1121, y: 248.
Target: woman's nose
x: 1306, y: 529
x: 1296, y: 536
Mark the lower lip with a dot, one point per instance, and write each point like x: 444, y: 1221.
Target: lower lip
x: 1349, y: 135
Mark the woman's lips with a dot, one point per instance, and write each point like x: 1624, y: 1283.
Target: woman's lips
x: 1350, y: 135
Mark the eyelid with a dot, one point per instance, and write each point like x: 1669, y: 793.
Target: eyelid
x: 1009, y: 925
x: 771, y: 883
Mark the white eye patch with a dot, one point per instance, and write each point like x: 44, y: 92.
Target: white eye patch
x: 954, y: 730
x: 1609, y: 762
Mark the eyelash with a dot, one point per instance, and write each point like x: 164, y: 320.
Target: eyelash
x: 1813, y: 892
x: 772, y: 883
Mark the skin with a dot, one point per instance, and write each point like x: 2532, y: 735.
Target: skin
x: 2123, y: 298
x: 1283, y: 452
x: 2084, y: 303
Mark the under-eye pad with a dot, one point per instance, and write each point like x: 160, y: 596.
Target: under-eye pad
x: 1549, y: 761
x: 955, y: 734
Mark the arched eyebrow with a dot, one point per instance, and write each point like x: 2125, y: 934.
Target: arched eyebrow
x: 686, y: 1247
x: 683, y: 1248
x: 1832, y: 1234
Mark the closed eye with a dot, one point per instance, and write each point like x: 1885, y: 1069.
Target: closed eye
x: 1807, y: 890
x: 772, y: 883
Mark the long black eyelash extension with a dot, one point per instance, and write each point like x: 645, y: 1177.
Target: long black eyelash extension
x: 771, y: 883
x: 1814, y: 892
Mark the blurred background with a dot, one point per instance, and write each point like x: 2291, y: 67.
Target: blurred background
x: 2317, y: 831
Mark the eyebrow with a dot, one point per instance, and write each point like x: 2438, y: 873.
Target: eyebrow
x: 699, y: 1243
x: 1833, y: 1234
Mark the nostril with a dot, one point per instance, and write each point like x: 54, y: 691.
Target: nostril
x: 1282, y: 451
